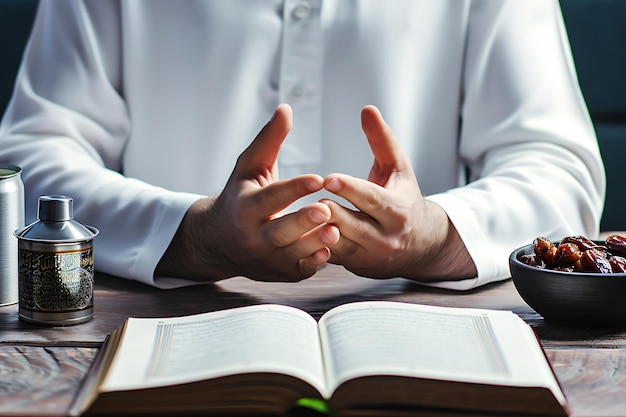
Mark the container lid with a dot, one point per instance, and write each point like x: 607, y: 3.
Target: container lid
x: 55, y: 223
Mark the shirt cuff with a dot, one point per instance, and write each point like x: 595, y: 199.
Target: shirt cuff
x: 460, y: 214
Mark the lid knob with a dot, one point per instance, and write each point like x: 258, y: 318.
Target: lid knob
x: 55, y: 208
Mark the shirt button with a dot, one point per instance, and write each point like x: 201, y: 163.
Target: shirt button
x: 301, y: 11
x: 297, y: 92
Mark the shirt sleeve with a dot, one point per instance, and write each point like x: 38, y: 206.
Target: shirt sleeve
x: 72, y: 144
x: 526, y: 140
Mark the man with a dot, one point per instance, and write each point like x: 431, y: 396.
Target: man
x: 139, y: 110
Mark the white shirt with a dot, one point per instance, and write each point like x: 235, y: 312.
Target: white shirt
x: 169, y: 93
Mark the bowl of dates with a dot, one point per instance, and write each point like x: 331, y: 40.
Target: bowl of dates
x: 574, y: 281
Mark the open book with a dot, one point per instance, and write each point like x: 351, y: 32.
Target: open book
x: 361, y: 358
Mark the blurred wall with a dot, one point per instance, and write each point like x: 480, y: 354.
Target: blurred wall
x: 597, y: 33
x: 16, y: 17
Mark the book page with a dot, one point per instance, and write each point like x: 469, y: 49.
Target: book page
x: 390, y: 338
x: 265, y: 338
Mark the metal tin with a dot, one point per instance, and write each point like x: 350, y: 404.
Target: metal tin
x: 11, y: 218
x: 56, y: 266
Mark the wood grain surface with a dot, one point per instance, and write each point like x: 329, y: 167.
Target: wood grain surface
x: 41, y: 368
x: 40, y: 381
x: 593, y: 380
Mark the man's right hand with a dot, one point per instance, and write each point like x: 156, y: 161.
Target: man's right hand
x: 240, y: 233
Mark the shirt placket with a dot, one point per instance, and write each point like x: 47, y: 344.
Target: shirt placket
x: 300, y: 80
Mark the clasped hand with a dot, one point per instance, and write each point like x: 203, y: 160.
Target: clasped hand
x: 393, y: 232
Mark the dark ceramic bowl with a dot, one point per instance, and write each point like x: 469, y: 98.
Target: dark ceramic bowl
x: 571, y: 298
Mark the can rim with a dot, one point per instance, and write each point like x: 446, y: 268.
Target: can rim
x: 16, y: 170
x: 18, y: 234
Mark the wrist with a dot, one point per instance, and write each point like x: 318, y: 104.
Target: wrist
x: 447, y: 258
x: 192, y: 252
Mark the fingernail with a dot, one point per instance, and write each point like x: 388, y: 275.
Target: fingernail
x: 318, y: 217
x: 312, y: 185
x: 333, y: 185
x: 329, y: 236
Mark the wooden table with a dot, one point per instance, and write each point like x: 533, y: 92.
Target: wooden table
x: 41, y: 368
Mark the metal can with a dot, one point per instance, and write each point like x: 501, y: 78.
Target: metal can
x: 56, y: 266
x: 11, y: 219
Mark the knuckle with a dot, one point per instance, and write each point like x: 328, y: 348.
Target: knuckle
x: 274, y: 236
x: 370, y: 201
x: 361, y: 231
x: 257, y: 202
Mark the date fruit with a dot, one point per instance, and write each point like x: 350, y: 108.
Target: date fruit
x: 594, y: 260
x: 578, y: 253
x: 617, y: 244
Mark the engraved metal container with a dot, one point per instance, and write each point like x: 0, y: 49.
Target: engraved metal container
x: 56, y: 266
x: 11, y: 218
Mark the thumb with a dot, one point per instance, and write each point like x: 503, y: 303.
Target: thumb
x: 262, y: 153
x: 386, y: 149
